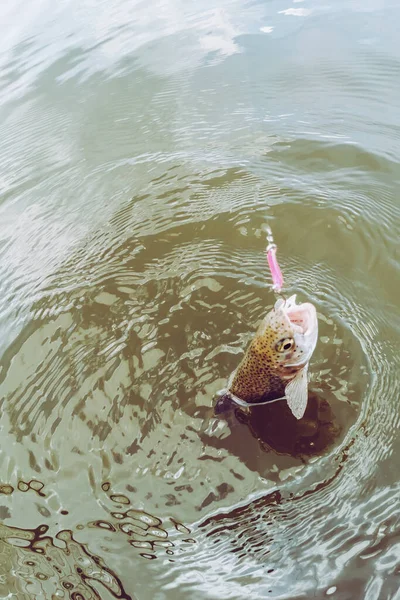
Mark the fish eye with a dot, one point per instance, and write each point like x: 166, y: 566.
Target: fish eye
x: 285, y: 345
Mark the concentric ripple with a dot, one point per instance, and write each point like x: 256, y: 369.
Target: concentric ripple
x: 144, y: 147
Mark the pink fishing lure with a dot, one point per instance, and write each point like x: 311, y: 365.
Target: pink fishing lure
x: 276, y: 273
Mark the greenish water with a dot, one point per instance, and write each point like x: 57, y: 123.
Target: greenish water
x: 143, y: 148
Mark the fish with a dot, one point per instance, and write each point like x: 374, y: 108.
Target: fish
x: 275, y: 364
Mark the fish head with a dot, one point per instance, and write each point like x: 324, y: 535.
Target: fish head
x: 292, y: 331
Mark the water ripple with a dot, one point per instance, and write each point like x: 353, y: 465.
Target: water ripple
x: 144, y: 149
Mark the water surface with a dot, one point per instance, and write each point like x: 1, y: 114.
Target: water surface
x: 144, y: 147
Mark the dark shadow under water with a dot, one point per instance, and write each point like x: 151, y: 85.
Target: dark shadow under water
x: 274, y: 426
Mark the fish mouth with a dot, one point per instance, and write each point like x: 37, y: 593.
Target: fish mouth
x: 302, y: 317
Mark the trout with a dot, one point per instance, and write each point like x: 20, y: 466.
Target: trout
x: 275, y: 364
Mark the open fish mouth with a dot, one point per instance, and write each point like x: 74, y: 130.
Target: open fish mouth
x: 303, y: 317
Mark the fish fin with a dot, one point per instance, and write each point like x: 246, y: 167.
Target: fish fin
x: 296, y: 393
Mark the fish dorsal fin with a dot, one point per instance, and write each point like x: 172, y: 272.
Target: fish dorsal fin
x: 296, y: 393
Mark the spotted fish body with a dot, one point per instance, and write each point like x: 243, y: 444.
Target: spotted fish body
x: 276, y: 361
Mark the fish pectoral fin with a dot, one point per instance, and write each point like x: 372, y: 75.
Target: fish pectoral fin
x: 296, y: 393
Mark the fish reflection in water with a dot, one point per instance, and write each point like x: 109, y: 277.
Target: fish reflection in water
x: 277, y: 429
x: 274, y: 426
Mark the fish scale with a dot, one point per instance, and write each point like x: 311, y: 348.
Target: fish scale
x: 276, y: 361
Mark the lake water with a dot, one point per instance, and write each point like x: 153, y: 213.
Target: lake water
x: 144, y: 145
